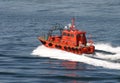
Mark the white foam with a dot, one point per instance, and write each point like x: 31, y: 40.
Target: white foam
x: 43, y: 51
x: 108, y: 48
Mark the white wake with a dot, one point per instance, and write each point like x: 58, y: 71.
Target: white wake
x: 108, y: 48
x: 43, y: 51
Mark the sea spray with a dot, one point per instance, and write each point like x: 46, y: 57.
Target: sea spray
x: 43, y: 51
x: 108, y: 48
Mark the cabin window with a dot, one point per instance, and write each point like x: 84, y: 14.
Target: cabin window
x: 64, y: 34
x: 68, y: 34
x: 82, y: 35
x: 78, y: 35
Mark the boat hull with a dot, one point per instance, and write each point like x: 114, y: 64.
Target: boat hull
x: 76, y: 49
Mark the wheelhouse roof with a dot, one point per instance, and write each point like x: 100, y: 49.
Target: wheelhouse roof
x: 74, y: 31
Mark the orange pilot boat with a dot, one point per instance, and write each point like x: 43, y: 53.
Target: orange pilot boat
x: 70, y: 39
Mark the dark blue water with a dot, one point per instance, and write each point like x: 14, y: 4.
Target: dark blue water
x: 22, y: 21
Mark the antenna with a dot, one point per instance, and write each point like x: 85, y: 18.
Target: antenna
x: 73, y: 24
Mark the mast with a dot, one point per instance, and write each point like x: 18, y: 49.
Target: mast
x: 73, y: 24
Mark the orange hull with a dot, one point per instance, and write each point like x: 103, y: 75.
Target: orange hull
x: 76, y: 50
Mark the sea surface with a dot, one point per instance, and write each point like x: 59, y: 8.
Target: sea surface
x: 23, y: 59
